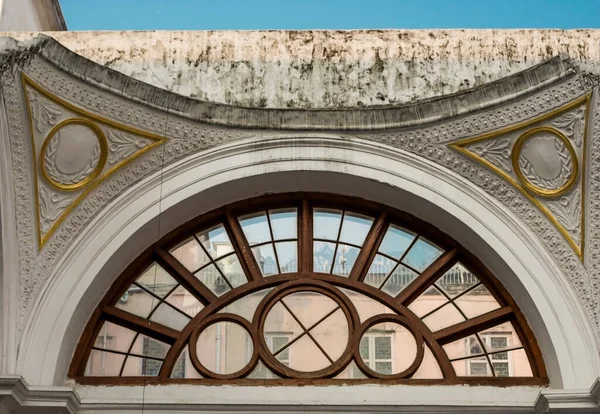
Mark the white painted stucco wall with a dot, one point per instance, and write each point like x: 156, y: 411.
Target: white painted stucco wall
x: 311, y: 69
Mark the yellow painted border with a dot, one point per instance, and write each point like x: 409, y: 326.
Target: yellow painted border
x: 159, y: 140
x: 460, y: 144
x: 516, y: 152
x: 97, y: 169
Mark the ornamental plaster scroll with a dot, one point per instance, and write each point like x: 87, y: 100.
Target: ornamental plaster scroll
x: 192, y: 126
x: 74, y: 150
x: 544, y: 158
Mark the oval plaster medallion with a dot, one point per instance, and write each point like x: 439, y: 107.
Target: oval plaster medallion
x: 73, y: 154
x: 545, y: 162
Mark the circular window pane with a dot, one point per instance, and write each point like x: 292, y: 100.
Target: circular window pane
x: 224, y: 347
x: 388, y: 348
x: 306, y: 331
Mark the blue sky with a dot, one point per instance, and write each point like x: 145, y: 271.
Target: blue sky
x: 328, y: 14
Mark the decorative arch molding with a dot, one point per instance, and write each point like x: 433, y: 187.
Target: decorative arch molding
x: 200, y: 185
x: 357, y: 142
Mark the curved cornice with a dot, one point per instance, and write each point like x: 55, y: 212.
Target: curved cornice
x: 361, y: 118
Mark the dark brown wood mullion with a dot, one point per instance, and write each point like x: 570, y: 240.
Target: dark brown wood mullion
x: 143, y: 326
x: 487, y: 356
x: 427, y: 278
x: 306, y: 331
x: 273, y: 241
x: 242, y: 248
x: 460, y: 295
x: 305, y: 237
x: 129, y: 348
x: 184, y: 277
x: 337, y: 242
x: 302, y: 334
x: 522, y: 328
x: 163, y: 300
x: 369, y: 248
x: 473, y: 325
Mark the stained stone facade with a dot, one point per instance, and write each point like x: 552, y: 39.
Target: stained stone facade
x: 93, y: 123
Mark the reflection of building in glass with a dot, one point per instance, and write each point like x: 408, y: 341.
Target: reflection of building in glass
x: 307, y: 323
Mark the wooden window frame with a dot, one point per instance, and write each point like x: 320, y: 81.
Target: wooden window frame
x: 306, y: 278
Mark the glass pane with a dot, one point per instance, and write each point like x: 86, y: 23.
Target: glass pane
x: 279, y: 322
x: 232, y: 269
x: 396, y: 241
x: 114, y: 337
x: 365, y: 306
x: 378, y: 271
x: 477, y: 302
x: 323, y: 256
x: 394, y: 347
x: 262, y: 372
x: 305, y: 356
x: 183, y: 367
x: 149, y: 347
x: 501, y: 369
x: 345, y: 258
x: 383, y: 367
x: 309, y: 307
x: 265, y: 258
x: 456, y: 280
x: 137, y: 301
x: 472, y: 367
x: 213, y: 280
x: 287, y: 253
x: 421, y: 255
x: 284, y: 223
x: 332, y: 334
x: 383, y: 347
x: 364, y: 348
x: 355, y: 228
x: 216, y: 241
x: 277, y: 343
x: 104, y: 364
x: 185, y: 301
x: 326, y: 224
x: 256, y: 228
x: 443, y: 318
x: 246, y: 305
x: 135, y: 366
x: 429, y: 300
x: 519, y: 363
x: 224, y: 347
x: 190, y: 254
x: 157, y: 280
x: 502, y: 334
x: 463, y: 347
x: 499, y: 356
x: 429, y: 368
x: 401, y: 278
x: 351, y: 372
x: 498, y: 342
x: 168, y: 316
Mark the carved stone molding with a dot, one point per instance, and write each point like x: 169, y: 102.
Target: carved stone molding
x: 543, y: 158
x: 74, y: 151
x: 553, y: 100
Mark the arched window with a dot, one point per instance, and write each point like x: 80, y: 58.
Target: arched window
x: 307, y: 288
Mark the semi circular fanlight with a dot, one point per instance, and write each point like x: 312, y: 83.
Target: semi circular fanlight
x: 307, y: 288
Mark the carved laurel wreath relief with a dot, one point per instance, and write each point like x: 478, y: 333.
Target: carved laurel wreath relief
x: 529, y: 154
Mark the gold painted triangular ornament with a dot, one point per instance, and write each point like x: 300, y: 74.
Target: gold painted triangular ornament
x: 74, y: 151
x: 544, y: 158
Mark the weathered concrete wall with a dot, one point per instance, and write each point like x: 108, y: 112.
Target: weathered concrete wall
x: 326, y: 68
